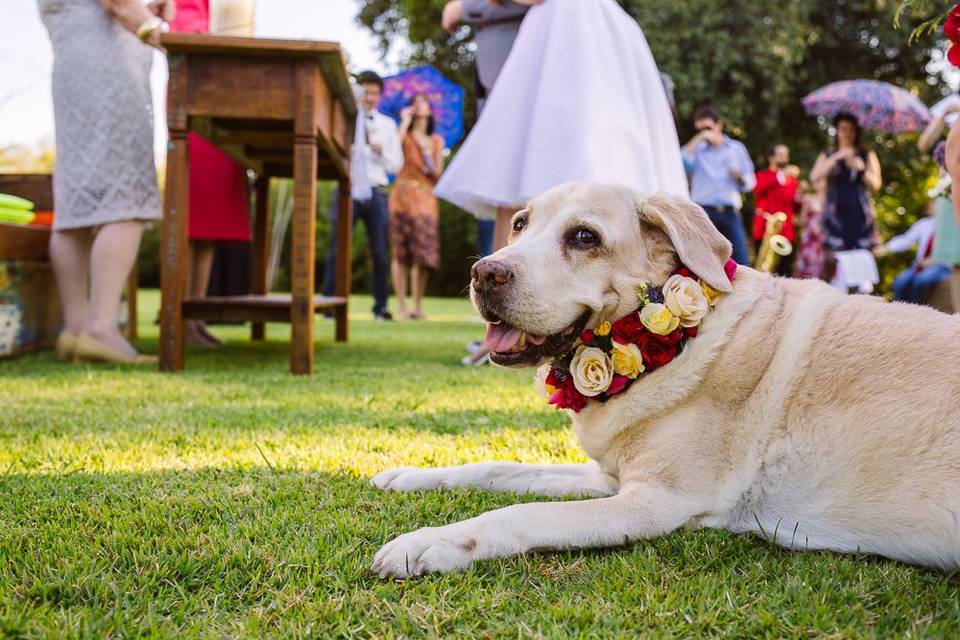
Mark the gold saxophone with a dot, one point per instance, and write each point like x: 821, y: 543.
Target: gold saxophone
x: 774, y: 244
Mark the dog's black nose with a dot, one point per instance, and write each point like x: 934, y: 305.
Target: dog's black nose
x: 490, y: 274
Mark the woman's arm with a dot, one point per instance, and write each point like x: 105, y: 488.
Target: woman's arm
x: 931, y: 134
x: 871, y: 176
x: 406, y: 119
x: 437, y: 156
x: 821, y: 167
x: 953, y: 168
x: 131, y: 14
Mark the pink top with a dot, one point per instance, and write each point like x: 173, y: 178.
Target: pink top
x: 193, y: 16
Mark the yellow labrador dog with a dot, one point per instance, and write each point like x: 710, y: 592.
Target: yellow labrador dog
x: 823, y: 420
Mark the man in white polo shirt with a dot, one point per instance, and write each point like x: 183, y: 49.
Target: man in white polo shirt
x: 384, y: 156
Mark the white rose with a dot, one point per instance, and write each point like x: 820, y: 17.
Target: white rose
x: 685, y: 299
x: 627, y: 360
x: 592, y: 371
x: 540, y: 380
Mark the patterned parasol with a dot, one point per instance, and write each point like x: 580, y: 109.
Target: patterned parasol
x: 880, y: 106
x: 446, y: 99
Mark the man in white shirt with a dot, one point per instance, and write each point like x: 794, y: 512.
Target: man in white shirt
x: 384, y: 156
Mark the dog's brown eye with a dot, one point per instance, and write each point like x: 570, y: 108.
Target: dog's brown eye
x: 519, y: 225
x: 583, y: 239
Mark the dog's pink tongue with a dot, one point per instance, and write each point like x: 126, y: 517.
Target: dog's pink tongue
x: 501, y: 337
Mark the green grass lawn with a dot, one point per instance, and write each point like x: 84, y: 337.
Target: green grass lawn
x: 233, y: 500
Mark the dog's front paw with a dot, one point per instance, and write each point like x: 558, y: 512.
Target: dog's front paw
x: 408, y: 479
x: 427, y: 550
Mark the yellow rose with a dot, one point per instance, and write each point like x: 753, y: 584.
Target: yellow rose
x: 540, y: 381
x: 592, y: 371
x: 627, y: 360
x: 711, y: 293
x: 685, y: 299
x: 658, y: 319
x: 602, y: 329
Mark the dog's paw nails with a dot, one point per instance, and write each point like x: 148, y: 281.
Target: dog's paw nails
x: 423, y: 551
x: 408, y: 479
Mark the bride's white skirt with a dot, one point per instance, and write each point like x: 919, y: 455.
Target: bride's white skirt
x: 579, y: 98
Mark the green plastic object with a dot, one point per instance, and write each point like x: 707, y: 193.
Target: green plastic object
x: 16, y: 216
x: 8, y: 201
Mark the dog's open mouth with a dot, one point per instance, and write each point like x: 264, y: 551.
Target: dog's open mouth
x: 510, y: 346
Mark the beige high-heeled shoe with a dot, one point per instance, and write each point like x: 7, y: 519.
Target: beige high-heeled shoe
x: 66, y: 341
x: 88, y: 349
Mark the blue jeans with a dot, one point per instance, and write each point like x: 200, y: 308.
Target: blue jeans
x: 727, y: 220
x: 376, y: 220
x: 485, y: 237
x: 914, y: 284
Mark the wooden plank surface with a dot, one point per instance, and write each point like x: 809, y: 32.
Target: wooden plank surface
x: 270, y: 308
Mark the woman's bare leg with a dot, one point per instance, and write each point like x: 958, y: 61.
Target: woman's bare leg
x: 398, y: 274
x: 201, y: 264
x: 418, y: 286
x: 70, y: 255
x: 501, y: 231
x: 112, y: 256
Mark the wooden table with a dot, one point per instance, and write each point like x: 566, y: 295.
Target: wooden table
x: 283, y: 108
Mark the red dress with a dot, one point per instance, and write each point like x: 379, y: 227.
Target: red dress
x: 219, y: 201
x: 772, y: 196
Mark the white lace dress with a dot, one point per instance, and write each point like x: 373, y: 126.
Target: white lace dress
x: 104, y: 119
x: 579, y: 98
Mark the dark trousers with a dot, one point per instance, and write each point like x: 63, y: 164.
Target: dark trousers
x: 913, y: 285
x: 485, y: 237
x: 376, y: 221
x: 727, y: 220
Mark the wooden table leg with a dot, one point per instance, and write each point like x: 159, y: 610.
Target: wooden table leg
x: 261, y: 248
x: 344, y: 257
x: 173, y: 253
x: 303, y: 254
x: 132, y: 285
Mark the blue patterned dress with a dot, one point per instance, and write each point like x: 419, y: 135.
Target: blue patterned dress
x: 848, y: 217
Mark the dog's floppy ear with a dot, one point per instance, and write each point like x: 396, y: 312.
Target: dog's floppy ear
x: 700, y: 246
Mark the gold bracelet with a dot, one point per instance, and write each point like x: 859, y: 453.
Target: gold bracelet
x: 145, y: 30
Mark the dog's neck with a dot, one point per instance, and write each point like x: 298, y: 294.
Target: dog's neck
x: 670, y: 386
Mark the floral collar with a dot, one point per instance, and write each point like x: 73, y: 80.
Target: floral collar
x: 606, y: 360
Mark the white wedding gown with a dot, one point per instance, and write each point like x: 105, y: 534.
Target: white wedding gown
x: 579, y: 98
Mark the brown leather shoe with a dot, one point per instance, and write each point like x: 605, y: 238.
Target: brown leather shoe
x: 65, y: 344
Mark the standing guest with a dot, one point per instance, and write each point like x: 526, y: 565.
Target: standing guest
x: 219, y: 198
x: 810, y: 253
x: 945, y: 114
x: 105, y: 182
x: 495, y: 27
x: 851, y: 172
x: 384, y: 156
x: 720, y: 170
x: 913, y: 284
x: 776, y: 191
x: 414, y: 213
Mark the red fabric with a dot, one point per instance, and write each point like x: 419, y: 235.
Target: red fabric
x: 219, y: 201
x: 193, y: 16
x: 771, y: 197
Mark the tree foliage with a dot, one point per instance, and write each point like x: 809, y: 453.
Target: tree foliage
x: 754, y: 60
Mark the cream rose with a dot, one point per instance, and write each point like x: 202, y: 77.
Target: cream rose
x: 540, y: 381
x: 658, y: 319
x: 627, y: 360
x: 685, y: 299
x: 592, y: 371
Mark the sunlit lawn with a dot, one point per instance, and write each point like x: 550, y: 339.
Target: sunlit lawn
x: 232, y: 500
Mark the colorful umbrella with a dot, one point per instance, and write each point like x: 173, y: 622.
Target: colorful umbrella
x: 877, y: 105
x: 446, y: 99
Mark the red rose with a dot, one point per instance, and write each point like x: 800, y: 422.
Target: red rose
x: 951, y: 28
x: 586, y: 336
x: 690, y: 332
x: 567, y: 397
x: 627, y: 329
x: 656, y: 350
x: 683, y: 271
x: 953, y: 55
x: 618, y: 384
